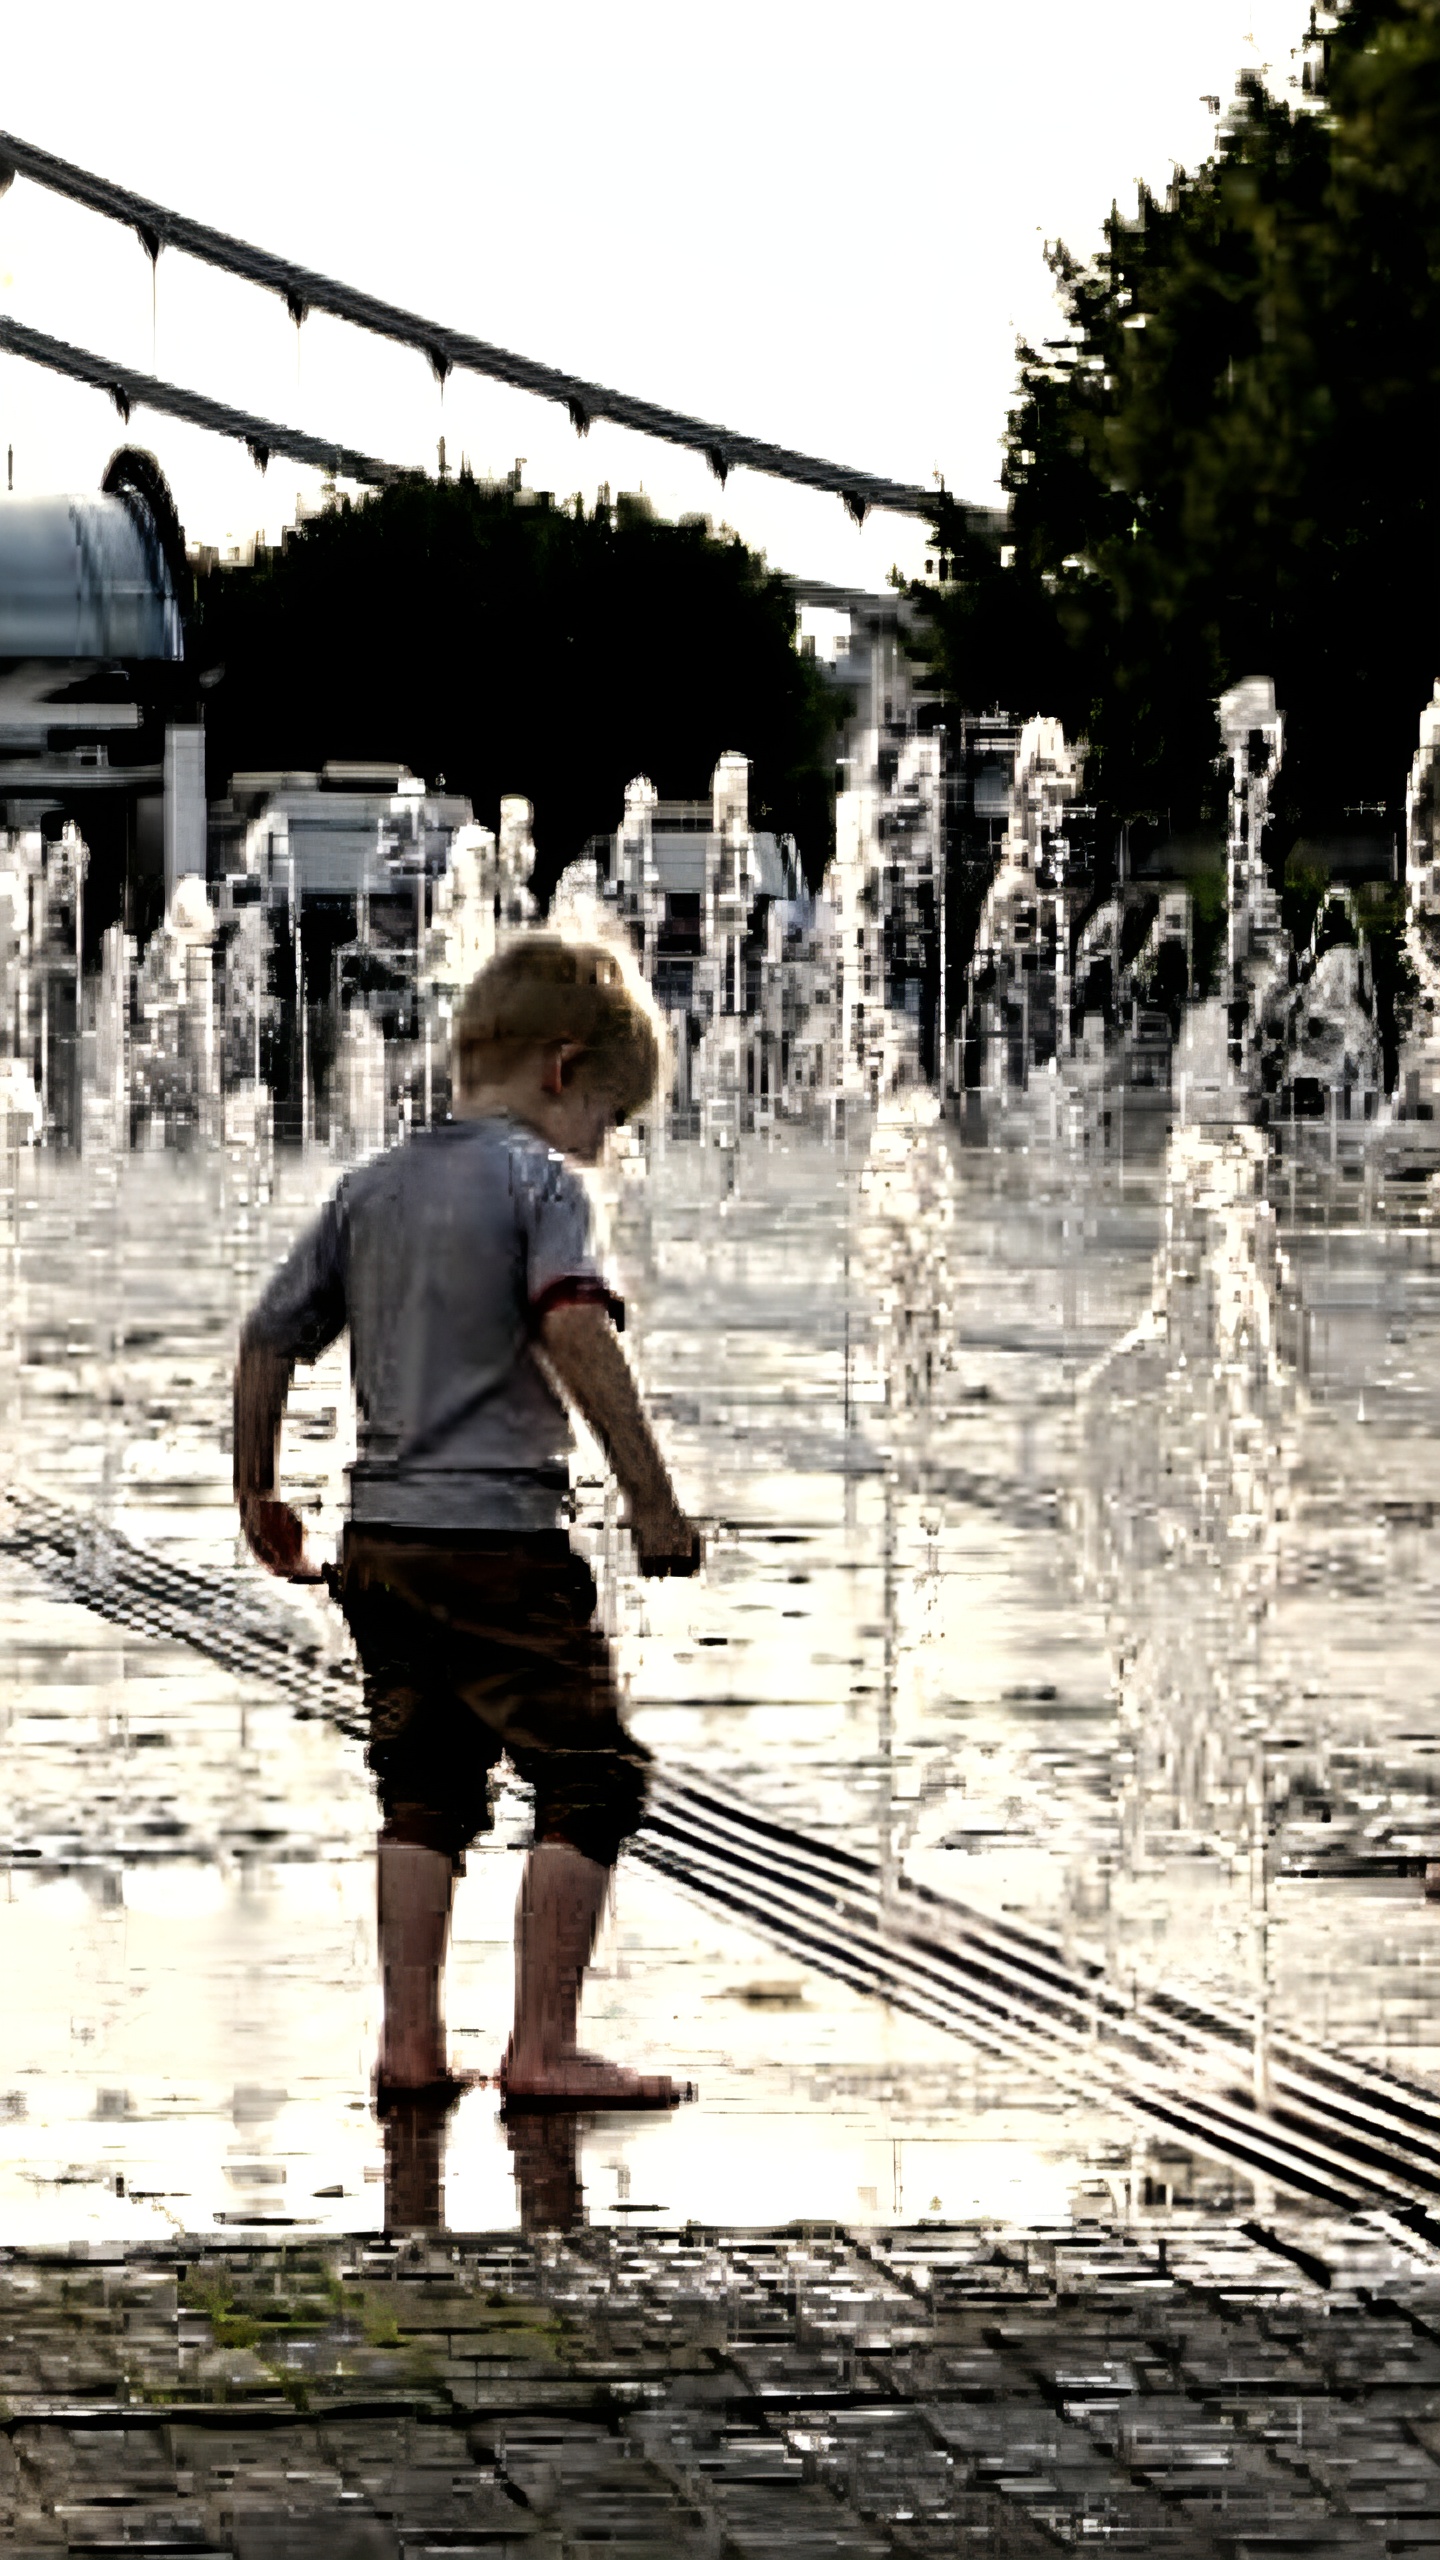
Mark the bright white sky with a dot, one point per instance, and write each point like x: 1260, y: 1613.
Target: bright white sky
x: 816, y: 222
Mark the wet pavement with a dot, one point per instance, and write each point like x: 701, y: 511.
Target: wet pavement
x: 908, y: 2393
x: 187, y: 1866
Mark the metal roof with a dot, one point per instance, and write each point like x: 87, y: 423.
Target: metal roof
x: 79, y: 579
x: 680, y: 863
x: 345, y: 842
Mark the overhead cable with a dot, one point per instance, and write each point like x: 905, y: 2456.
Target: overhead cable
x: 130, y: 390
x: 450, y: 349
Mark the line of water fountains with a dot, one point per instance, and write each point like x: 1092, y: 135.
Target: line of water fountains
x: 1067, y: 1016
x: 305, y: 991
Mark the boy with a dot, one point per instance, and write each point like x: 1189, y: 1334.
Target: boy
x: 462, y: 1263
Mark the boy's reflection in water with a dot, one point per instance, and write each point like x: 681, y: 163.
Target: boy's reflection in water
x: 414, y: 2126
x: 544, y: 2153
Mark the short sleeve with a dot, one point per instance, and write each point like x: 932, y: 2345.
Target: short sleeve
x: 303, y: 1307
x: 561, y: 1265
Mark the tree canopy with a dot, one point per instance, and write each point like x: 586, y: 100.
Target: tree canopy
x: 515, y: 646
x: 1229, y: 461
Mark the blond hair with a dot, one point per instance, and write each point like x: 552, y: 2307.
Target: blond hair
x: 543, y: 988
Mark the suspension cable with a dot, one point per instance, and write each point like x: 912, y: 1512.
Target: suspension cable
x: 130, y: 390
x: 450, y: 349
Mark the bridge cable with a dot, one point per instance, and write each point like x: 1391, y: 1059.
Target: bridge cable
x: 450, y: 349
x: 130, y: 390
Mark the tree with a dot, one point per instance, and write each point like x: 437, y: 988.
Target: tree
x: 1227, y: 463
x: 514, y: 646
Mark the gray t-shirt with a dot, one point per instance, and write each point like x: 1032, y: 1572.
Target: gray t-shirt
x: 442, y: 1256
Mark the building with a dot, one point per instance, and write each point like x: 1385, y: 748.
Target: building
x: 352, y: 905
x: 102, y: 792
x: 739, y: 955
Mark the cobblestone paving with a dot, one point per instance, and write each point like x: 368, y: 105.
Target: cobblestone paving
x: 1201, y: 2389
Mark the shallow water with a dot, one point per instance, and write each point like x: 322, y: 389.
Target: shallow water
x: 1066, y: 1551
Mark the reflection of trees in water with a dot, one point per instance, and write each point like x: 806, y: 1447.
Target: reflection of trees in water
x: 1190, y: 1452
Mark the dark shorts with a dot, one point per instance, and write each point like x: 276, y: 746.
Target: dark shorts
x: 486, y: 1645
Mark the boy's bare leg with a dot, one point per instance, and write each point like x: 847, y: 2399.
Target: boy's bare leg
x: 562, y: 1895
x: 414, y: 1887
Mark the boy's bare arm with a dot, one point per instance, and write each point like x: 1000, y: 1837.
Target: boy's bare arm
x: 581, y: 1346
x: 275, y: 1534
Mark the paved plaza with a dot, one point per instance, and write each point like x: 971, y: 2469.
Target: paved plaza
x: 933, y: 2391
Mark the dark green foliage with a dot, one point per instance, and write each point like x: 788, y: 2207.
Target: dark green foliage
x: 514, y: 646
x: 1227, y: 465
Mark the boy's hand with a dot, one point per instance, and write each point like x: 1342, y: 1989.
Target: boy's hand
x: 666, y: 1539
x: 276, y: 1535
x: 580, y: 1344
